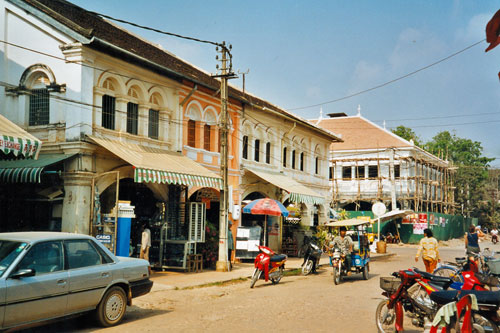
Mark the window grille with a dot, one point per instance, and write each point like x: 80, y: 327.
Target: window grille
x: 132, y: 117
x: 39, y: 107
x: 206, y: 137
x: 316, y: 165
x: 108, y: 112
x: 153, y: 124
x: 302, y: 161
x: 191, y: 133
x: 293, y: 159
x: 245, y: 147
x: 268, y: 153
x: 284, y: 157
x: 257, y: 150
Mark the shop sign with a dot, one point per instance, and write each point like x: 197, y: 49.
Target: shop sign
x: 418, y: 228
x: 207, y: 193
x: 410, y: 219
x: 104, y: 238
x: 422, y: 218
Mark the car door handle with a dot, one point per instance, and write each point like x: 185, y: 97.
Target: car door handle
x: 61, y: 282
x: 105, y: 274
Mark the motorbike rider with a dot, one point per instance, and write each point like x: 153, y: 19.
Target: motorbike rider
x: 494, y: 234
x: 345, y: 244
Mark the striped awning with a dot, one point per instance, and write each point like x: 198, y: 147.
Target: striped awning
x: 298, y: 192
x: 16, y: 141
x: 153, y: 165
x: 28, y: 170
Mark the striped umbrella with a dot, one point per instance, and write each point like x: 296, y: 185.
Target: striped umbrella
x: 265, y: 206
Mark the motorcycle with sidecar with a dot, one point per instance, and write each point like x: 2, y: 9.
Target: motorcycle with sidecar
x: 360, y: 256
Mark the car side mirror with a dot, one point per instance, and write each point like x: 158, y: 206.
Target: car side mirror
x: 23, y: 273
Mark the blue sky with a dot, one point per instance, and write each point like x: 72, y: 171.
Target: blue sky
x: 302, y: 53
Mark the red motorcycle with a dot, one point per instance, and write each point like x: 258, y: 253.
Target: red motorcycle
x: 269, y: 263
x: 409, y: 291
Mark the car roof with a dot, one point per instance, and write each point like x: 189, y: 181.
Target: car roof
x: 35, y: 236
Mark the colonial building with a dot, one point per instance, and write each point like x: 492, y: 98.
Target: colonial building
x: 373, y: 164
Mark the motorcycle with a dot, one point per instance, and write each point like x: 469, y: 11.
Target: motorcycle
x: 410, y: 291
x: 312, y: 256
x: 494, y: 239
x: 269, y: 263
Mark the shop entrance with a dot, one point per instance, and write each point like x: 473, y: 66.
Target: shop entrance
x: 210, y: 248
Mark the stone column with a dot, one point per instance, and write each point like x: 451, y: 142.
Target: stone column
x: 143, y: 122
x: 77, y: 202
x: 121, y: 113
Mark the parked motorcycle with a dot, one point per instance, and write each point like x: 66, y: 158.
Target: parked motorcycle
x: 312, y: 256
x: 409, y: 291
x: 486, y: 319
x: 268, y: 265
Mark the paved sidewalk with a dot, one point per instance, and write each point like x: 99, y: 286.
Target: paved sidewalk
x: 178, y: 279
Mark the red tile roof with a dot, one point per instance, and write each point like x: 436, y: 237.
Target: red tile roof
x: 360, y: 133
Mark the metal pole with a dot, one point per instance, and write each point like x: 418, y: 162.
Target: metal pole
x: 393, y: 181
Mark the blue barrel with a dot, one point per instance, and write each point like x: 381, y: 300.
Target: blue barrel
x: 123, y: 236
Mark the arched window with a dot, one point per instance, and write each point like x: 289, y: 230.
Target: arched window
x: 293, y: 159
x: 245, y: 147
x: 206, y: 136
x: 108, y: 112
x: 301, y: 161
x: 268, y: 153
x: 39, y: 100
x: 191, y: 133
x: 316, y: 165
x: 284, y: 157
x: 154, y: 117
x: 257, y: 150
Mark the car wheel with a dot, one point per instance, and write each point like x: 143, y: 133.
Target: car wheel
x: 112, y: 307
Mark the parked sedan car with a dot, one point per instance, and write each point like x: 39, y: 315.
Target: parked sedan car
x: 49, y: 275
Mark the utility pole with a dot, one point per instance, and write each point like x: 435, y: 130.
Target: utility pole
x: 224, y: 74
x: 243, y: 74
x: 393, y: 181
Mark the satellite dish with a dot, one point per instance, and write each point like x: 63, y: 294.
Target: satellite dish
x: 378, y: 208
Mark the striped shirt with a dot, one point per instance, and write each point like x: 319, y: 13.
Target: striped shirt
x: 429, y: 248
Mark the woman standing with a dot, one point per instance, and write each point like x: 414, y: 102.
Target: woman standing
x: 472, y: 242
x: 429, y: 248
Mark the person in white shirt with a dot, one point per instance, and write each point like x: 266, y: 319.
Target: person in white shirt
x: 494, y: 235
x: 145, y: 242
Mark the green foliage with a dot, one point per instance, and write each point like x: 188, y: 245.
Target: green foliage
x: 210, y: 249
x: 407, y: 134
x: 324, y: 234
x: 472, y: 168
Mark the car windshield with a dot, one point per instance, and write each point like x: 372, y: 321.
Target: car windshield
x: 9, y: 250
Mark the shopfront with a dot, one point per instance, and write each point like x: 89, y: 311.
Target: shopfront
x: 155, y: 183
x: 280, y: 234
x: 32, y: 192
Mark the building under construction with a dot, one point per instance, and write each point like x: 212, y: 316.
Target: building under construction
x: 373, y: 164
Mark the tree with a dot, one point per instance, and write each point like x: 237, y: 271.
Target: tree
x: 407, y: 134
x: 472, y: 169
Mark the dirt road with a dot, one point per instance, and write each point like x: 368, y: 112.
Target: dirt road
x: 296, y: 304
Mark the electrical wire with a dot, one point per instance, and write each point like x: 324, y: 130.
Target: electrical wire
x: 388, y: 82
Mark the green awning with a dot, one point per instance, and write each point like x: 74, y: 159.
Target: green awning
x: 28, y: 171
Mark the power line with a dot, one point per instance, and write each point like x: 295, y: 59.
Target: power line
x: 388, y: 82
x: 158, y: 31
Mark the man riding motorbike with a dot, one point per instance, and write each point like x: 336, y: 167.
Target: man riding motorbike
x: 344, y: 243
x: 494, y: 235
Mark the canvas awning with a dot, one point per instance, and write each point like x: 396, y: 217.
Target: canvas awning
x: 15, y: 140
x: 153, y: 165
x: 298, y: 192
x: 28, y: 170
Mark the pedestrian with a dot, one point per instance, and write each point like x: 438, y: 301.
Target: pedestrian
x: 472, y: 242
x: 230, y: 244
x: 429, y: 248
x: 145, y: 241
